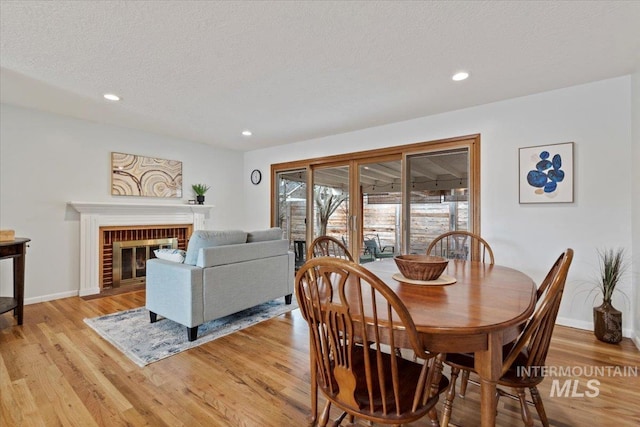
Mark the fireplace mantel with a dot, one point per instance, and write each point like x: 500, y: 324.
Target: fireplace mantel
x: 94, y: 215
x: 106, y: 208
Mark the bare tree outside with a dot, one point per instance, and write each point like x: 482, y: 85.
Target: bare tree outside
x: 288, y: 188
x: 327, y: 201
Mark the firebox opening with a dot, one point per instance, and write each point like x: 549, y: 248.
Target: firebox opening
x: 130, y: 259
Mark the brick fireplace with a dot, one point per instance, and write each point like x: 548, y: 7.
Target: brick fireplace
x: 96, y: 217
x: 116, y: 238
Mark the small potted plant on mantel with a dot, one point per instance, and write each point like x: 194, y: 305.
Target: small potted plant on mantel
x: 606, y: 319
x: 200, y: 189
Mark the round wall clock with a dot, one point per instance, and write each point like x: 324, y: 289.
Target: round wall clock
x: 256, y: 177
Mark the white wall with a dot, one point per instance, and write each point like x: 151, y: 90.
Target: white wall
x: 527, y: 237
x: 47, y: 160
x: 635, y: 119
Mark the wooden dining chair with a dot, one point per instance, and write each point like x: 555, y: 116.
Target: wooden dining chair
x: 523, y: 358
x: 461, y: 245
x: 354, y: 319
x: 328, y: 246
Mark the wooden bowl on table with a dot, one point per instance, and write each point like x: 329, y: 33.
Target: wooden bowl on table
x: 421, y: 267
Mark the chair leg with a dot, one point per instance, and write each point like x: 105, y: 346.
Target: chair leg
x: 464, y: 380
x: 337, y: 422
x: 433, y: 413
x: 350, y: 421
x: 524, y: 410
x: 324, y: 417
x: 537, y: 400
x: 451, y: 394
x: 313, y: 417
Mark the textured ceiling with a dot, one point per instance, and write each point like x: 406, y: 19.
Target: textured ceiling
x: 291, y: 71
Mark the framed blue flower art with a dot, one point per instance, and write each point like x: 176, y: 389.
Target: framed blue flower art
x: 546, y: 173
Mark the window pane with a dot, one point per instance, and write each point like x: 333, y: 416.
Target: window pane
x: 291, y: 210
x: 381, y: 185
x: 331, y: 202
x: 438, y: 196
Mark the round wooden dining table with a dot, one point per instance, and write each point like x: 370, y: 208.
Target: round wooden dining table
x: 479, y: 313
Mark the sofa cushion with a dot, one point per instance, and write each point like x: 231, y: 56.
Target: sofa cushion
x: 274, y: 233
x: 209, y: 238
x: 231, y: 254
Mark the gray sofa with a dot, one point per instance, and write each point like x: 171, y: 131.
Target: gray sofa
x: 223, y: 272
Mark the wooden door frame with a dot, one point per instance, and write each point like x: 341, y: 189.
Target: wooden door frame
x: 353, y: 160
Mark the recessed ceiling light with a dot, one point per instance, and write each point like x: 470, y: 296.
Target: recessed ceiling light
x: 111, y: 97
x: 462, y: 75
x: 247, y: 132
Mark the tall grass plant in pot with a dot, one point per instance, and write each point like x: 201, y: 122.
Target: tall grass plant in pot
x: 607, y: 319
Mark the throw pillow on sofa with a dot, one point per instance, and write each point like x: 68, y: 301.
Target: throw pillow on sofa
x: 175, y: 255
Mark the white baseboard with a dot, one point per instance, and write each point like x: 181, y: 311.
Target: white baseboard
x: 588, y: 326
x: 636, y: 341
x: 50, y: 297
x: 573, y: 323
x: 89, y: 291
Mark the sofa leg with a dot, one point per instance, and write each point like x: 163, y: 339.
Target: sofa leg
x: 153, y: 317
x: 287, y: 299
x: 192, y: 333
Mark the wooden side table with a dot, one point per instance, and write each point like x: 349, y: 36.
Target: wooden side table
x: 17, y: 250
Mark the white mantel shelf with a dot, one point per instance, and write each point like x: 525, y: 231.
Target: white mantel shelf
x: 94, y: 215
x: 140, y: 208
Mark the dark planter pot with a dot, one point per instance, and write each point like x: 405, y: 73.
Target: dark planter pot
x: 607, y: 322
x: 200, y: 200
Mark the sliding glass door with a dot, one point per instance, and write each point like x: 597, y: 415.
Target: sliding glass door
x: 381, y: 202
x: 291, y: 210
x: 331, y: 215
x: 379, y: 210
x: 437, y: 195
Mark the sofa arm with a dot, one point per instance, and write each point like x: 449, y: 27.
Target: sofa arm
x: 174, y: 291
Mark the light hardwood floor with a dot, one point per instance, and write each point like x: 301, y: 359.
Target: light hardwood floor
x: 55, y: 371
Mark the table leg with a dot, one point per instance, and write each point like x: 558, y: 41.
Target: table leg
x: 18, y: 283
x: 488, y: 364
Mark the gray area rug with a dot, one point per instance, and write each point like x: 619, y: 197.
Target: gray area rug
x: 143, y: 342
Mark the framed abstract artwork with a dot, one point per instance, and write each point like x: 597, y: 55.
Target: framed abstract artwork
x: 133, y: 175
x: 546, y: 173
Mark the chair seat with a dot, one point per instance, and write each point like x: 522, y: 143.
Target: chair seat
x: 511, y: 378
x: 409, y: 375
